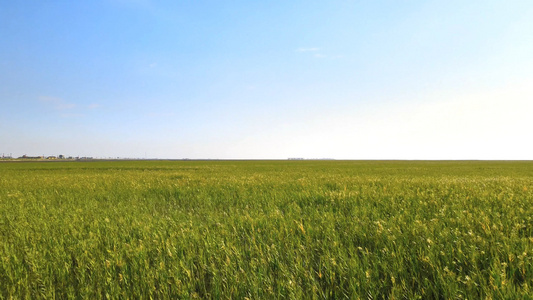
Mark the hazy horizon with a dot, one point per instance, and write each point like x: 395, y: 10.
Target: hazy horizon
x: 440, y: 80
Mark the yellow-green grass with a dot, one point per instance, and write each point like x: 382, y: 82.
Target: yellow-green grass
x: 266, y: 229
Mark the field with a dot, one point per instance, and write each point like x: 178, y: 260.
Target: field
x: 266, y: 229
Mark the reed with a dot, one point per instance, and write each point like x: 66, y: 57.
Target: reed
x: 266, y: 229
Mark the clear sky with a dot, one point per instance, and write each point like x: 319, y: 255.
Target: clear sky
x: 267, y: 79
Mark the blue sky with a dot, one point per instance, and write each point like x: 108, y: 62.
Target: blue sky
x: 267, y: 79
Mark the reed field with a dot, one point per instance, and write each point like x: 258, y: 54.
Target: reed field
x: 266, y: 230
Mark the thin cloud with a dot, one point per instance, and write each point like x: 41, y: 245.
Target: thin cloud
x: 94, y: 106
x: 71, y: 115
x: 317, y: 53
x: 56, y: 103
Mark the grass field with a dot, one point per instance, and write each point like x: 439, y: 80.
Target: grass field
x: 266, y: 229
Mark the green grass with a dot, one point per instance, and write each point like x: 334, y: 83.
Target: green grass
x: 266, y: 229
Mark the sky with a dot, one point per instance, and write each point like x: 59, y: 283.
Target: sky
x: 340, y: 79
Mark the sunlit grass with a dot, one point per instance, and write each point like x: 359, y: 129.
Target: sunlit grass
x: 266, y: 229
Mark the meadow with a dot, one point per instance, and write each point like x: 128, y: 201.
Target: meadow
x: 266, y: 229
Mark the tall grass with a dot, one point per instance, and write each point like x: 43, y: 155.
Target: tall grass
x: 266, y: 229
